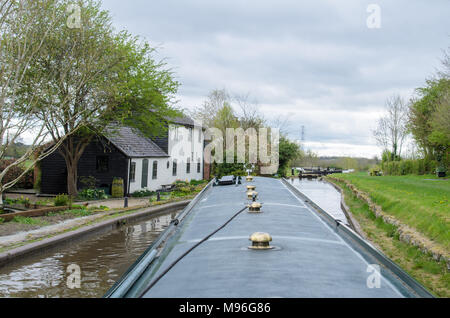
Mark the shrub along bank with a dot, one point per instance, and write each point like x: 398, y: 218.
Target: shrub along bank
x: 406, y: 167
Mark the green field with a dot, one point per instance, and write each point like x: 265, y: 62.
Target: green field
x: 433, y: 275
x: 421, y: 202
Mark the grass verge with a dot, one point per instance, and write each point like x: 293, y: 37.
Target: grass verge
x: 421, y: 202
x: 433, y: 275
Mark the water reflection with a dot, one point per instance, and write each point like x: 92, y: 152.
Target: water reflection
x: 323, y: 194
x: 102, y: 261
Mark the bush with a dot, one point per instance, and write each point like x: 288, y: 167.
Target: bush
x: 375, y: 171
x: 21, y: 200
x: 197, y: 182
x: 2, y: 220
x: 88, y: 182
x: 24, y: 220
x: 143, y: 193
x: 408, y: 166
x: 185, y: 190
x: 61, y: 200
x: 92, y: 194
x: 26, y: 182
x: 117, y: 188
x: 405, y: 167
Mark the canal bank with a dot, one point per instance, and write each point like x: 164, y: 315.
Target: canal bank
x: 101, y: 259
x: 417, y: 262
x: 78, y: 229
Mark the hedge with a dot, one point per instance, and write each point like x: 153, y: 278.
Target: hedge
x: 404, y: 167
x: 26, y: 182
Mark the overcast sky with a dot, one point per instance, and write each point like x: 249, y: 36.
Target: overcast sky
x: 314, y: 62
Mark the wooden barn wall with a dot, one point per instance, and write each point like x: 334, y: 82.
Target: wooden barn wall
x: 54, y: 173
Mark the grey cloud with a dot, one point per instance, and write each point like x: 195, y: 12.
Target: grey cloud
x: 296, y: 56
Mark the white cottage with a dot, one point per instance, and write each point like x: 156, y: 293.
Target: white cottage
x: 154, y: 163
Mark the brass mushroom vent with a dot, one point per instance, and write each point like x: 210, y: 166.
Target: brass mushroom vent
x: 260, y: 241
x: 252, y: 195
x: 249, y: 178
x: 251, y: 188
x: 255, y: 207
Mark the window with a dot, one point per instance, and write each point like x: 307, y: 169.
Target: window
x: 155, y: 170
x: 176, y: 133
x: 199, y: 166
x: 133, y: 172
x: 144, y: 181
x: 174, y: 168
x: 102, y: 164
x: 188, y: 165
x: 191, y: 133
x: 200, y: 135
x: 168, y: 164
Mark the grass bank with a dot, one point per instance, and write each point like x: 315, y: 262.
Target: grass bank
x: 433, y: 275
x: 421, y: 202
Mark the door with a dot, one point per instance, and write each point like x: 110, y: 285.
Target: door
x: 144, y: 182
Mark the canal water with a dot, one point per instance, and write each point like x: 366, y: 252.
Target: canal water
x: 323, y: 194
x: 102, y: 260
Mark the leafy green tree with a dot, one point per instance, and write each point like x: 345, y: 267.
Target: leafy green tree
x: 225, y: 118
x: 427, y: 116
x: 288, y: 151
x: 94, y: 76
x: 440, y: 124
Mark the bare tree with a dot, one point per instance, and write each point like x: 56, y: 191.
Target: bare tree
x: 22, y: 34
x: 206, y: 113
x: 283, y: 123
x: 392, y: 128
x: 248, y: 112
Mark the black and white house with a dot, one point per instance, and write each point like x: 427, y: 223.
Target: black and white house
x: 142, y: 162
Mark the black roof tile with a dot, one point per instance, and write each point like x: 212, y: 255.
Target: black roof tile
x: 133, y: 143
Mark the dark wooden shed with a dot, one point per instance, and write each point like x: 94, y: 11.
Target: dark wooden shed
x: 105, y: 158
x: 101, y: 159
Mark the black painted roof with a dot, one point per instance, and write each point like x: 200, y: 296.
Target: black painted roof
x: 312, y: 257
x: 133, y: 143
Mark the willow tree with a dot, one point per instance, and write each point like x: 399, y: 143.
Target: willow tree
x: 89, y: 76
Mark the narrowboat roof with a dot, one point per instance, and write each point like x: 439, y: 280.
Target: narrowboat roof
x: 313, y: 255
